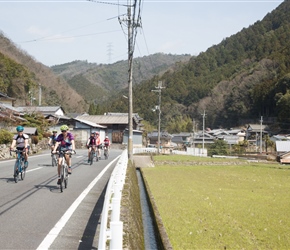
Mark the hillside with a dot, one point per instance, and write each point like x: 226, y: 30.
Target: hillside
x: 235, y: 82
x: 244, y: 77
x: 21, y: 75
x: 99, y: 82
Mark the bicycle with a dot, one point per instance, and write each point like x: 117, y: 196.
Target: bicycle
x: 106, y: 152
x: 98, y: 152
x: 53, y: 158
x: 19, y: 166
x: 64, y: 168
x: 92, y: 154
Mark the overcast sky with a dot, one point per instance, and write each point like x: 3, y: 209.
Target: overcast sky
x: 56, y: 32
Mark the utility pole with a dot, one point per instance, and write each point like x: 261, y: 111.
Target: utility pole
x: 132, y: 25
x: 203, y: 121
x: 39, y: 98
x: 130, y: 66
x: 159, y: 88
x: 261, y: 134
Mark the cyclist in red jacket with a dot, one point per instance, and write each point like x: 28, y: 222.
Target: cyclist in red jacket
x: 99, y: 144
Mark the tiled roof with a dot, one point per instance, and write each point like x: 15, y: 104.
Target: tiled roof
x: 42, y: 109
x: 6, y: 96
x: 92, y: 124
x: 105, y: 119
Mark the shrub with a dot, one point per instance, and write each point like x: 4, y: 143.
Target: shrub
x: 34, y: 139
x: 5, y: 136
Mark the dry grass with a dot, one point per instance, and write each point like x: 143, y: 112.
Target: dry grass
x: 208, y: 203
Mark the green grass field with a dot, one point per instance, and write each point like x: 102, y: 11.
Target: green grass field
x: 208, y: 203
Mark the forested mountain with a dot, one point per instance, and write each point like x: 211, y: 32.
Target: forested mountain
x: 72, y: 85
x: 97, y: 83
x: 21, y: 75
x: 244, y: 77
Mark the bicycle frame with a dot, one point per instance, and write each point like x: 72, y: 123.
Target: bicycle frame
x: 106, y: 152
x: 64, y: 169
x: 54, y: 160
x: 92, y: 152
x: 19, y: 165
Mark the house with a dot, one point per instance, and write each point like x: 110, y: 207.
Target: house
x: 254, y: 131
x: 83, y: 129
x: 283, y: 151
x: 137, y: 137
x: 116, y: 124
x: 45, y: 110
x: 182, y: 139
x: 5, y: 99
x: 201, y: 137
x: 165, y: 141
x: 54, y: 114
x: 8, y: 113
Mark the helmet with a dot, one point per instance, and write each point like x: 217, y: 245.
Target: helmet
x: 54, y: 131
x: 19, y: 128
x: 64, y: 128
x: 97, y: 133
x: 93, y: 132
x: 107, y: 137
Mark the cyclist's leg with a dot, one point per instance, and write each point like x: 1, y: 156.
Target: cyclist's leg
x: 89, y: 152
x: 99, y: 151
x: 58, y: 169
x: 26, y: 158
x: 59, y: 166
x: 68, y: 162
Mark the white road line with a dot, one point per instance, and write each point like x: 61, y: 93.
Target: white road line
x: 30, y: 170
x: 52, y: 235
x: 31, y: 156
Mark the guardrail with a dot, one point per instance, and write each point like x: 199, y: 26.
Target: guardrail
x: 111, y: 227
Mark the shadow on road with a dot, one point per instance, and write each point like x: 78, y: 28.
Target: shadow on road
x: 91, y: 232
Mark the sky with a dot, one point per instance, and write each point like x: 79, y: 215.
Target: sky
x: 55, y: 32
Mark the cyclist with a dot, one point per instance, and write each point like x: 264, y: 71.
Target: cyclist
x: 99, y: 144
x: 66, y: 142
x: 21, y: 142
x: 91, y: 144
x: 107, y: 143
x: 52, y: 139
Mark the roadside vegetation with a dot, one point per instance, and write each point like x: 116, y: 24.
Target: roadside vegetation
x: 209, y: 203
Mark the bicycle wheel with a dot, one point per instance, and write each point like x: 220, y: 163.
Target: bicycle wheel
x: 61, y: 178
x: 53, y: 160
x: 106, y: 154
x: 16, y: 172
x: 23, y: 170
x: 65, y: 180
x: 91, y: 157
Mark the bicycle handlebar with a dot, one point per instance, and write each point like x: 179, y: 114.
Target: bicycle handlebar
x: 68, y: 152
x: 16, y: 151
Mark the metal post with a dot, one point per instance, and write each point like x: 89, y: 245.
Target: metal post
x: 203, y: 118
x: 159, y: 87
x: 159, y: 119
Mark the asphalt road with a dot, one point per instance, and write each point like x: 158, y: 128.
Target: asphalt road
x: 34, y: 214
